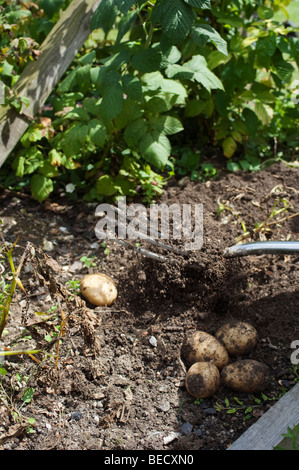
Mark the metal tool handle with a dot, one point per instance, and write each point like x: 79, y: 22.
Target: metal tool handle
x: 262, y: 248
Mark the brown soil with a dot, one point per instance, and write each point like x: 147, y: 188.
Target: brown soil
x: 113, y: 389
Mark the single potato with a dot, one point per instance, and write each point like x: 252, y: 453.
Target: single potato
x: 98, y: 289
x: 238, y: 338
x: 200, y: 346
x: 248, y: 376
x: 202, y: 379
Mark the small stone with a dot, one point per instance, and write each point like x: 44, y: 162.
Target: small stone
x: 76, y: 416
x: 187, y: 428
x: 164, y: 406
x: 153, y: 341
x: 210, y: 411
x: 47, y: 245
x: 171, y: 437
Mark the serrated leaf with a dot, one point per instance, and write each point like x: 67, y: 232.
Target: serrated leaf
x: 112, y: 102
x: 83, y: 77
x: 131, y: 110
x: 97, y: 132
x: 147, y: 60
x: 204, y: 4
x: 132, y: 87
x: 124, y: 24
x: 125, y: 5
x: 284, y: 70
x: 155, y: 148
x: 73, y: 139
x: 78, y: 114
x: 105, y: 15
x: 69, y: 82
x: 177, y: 19
x: 229, y: 147
x: 203, y: 33
x: 202, y: 74
x: 41, y: 187
x: 134, y: 131
x: 264, y: 112
x: 167, y: 124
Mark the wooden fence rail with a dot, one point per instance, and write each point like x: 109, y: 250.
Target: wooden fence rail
x: 40, y: 77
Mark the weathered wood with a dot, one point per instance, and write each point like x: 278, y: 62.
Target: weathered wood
x: 40, y: 77
x: 267, y: 432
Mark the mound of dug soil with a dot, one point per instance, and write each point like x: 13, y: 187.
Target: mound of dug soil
x: 115, y: 380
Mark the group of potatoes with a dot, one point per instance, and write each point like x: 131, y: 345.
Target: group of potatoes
x: 208, y: 359
x: 207, y: 356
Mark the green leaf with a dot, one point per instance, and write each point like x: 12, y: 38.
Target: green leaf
x: 17, y: 15
x: 147, y: 60
x: 229, y: 147
x: 67, y: 100
x: 69, y: 82
x: 91, y: 106
x: 28, y: 395
x: 78, y: 114
x: 264, y: 112
x: 83, y: 77
x: 155, y: 148
x: 72, y: 140
x: 33, y: 134
x: 265, y: 13
x: 6, y: 69
x: 204, y: 4
x: 131, y: 110
x: 48, y: 170
x: 97, y: 132
x: 194, y: 108
x: 41, y: 187
x: 105, y: 15
x: 105, y: 185
x: 51, y: 6
x: 203, y: 33
x: 132, y: 87
x: 284, y: 70
x: 134, y: 131
x: 196, y: 69
x: 125, y: 5
x: 177, y: 19
x: 166, y: 124
x: 124, y: 24
x: 112, y: 102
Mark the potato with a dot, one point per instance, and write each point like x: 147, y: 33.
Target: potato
x: 98, y: 289
x: 200, y: 346
x: 245, y: 375
x: 202, y: 379
x: 238, y: 338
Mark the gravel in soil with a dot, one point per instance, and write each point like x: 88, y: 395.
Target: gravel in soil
x: 118, y: 382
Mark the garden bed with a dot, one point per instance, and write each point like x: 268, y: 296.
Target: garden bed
x: 112, y: 389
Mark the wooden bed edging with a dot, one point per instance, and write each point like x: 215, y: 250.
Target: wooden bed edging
x: 40, y: 77
x: 266, y: 432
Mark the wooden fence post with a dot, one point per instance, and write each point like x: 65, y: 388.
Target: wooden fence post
x: 40, y: 77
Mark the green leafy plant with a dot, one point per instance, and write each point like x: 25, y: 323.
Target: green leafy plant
x: 155, y: 77
x: 291, y: 436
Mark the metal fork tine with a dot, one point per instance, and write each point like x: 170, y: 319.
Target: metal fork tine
x: 144, y: 236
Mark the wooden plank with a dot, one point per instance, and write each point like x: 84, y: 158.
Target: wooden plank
x: 40, y: 77
x: 267, y: 432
